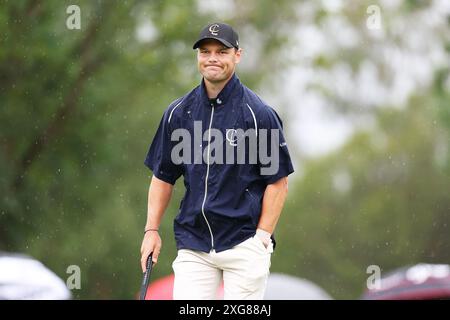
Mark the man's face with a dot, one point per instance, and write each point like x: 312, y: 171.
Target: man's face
x: 216, y: 62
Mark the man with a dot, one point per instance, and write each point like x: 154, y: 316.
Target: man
x: 219, y: 137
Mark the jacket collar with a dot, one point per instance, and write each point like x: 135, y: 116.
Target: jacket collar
x: 225, y: 95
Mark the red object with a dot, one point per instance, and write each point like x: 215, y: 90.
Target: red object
x: 162, y: 289
x: 419, y: 282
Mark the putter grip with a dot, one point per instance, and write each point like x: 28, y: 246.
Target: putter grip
x: 146, y: 279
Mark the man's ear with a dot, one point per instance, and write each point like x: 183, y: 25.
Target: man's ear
x: 238, y: 54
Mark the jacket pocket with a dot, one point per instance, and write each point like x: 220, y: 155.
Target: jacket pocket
x: 252, y: 200
x: 254, y: 211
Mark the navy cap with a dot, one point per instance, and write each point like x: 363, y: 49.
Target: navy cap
x: 221, y: 32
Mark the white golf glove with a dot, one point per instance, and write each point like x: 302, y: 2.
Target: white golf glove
x: 264, y: 236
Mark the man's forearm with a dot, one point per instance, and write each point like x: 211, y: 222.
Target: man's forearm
x: 273, y: 202
x: 159, y: 194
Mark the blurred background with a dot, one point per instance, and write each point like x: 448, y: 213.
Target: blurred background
x: 363, y: 88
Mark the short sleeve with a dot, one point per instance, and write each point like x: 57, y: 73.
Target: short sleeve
x: 158, y: 158
x: 274, y: 159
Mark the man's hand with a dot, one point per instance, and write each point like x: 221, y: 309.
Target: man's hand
x: 151, y: 243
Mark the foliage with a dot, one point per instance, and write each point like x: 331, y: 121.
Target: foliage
x: 78, y: 111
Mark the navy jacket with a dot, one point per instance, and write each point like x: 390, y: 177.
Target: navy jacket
x: 223, y: 199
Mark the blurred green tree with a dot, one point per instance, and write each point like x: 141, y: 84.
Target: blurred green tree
x: 78, y: 111
x: 380, y: 200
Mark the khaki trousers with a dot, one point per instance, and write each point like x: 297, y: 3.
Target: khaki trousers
x: 244, y: 270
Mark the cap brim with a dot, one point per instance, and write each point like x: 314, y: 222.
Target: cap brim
x: 223, y: 41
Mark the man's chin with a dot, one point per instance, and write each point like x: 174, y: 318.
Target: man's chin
x: 215, y: 79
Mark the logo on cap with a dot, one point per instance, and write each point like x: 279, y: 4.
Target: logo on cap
x: 214, y: 29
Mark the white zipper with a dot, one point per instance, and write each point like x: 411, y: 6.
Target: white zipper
x: 206, y: 178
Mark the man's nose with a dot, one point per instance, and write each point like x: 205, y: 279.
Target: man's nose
x: 212, y: 57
